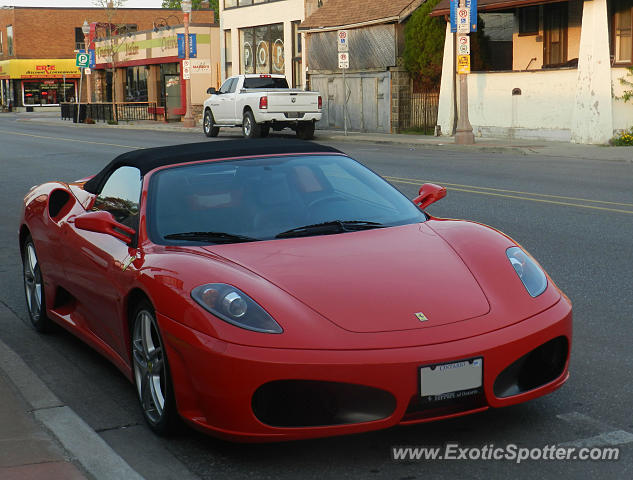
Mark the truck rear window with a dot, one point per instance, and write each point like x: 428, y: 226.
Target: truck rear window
x: 265, y: 82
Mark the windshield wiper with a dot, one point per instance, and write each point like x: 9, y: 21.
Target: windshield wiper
x: 326, y: 228
x: 214, y: 237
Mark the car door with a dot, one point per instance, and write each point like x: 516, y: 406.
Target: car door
x: 222, y: 112
x: 101, y: 268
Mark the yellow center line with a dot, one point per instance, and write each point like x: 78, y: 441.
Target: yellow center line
x: 517, y: 197
x: 70, y: 140
x: 420, y: 182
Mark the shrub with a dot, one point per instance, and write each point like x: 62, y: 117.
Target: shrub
x: 623, y: 139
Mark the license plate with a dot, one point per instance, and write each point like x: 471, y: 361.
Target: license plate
x: 451, y: 380
x: 294, y: 114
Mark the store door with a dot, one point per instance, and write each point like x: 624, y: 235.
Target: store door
x: 172, y: 95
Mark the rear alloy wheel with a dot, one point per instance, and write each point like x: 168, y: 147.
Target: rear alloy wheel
x: 151, y: 372
x: 305, y: 130
x: 208, y: 124
x: 250, y: 129
x: 34, y: 288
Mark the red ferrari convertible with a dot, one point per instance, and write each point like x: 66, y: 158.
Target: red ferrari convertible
x: 265, y: 292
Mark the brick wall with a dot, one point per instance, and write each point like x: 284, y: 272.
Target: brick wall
x: 50, y: 32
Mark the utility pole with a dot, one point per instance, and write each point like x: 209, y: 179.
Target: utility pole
x: 464, y: 133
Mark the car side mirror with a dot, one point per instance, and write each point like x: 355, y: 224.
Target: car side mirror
x: 211, y: 91
x: 104, y: 222
x: 429, y: 193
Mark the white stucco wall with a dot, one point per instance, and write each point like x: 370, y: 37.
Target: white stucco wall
x: 285, y: 11
x: 622, y: 111
x: 493, y: 110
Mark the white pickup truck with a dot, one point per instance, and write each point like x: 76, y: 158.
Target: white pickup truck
x: 258, y: 103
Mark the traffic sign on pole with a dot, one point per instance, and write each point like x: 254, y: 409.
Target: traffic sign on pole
x: 463, y: 45
x: 82, y: 60
x: 343, y: 60
x: 343, y: 41
x: 186, y: 69
x: 463, y: 20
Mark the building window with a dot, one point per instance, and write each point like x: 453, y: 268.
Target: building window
x: 244, y: 3
x: 297, y: 75
x: 228, y: 54
x: 47, y: 92
x: 136, y: 84
x: 262, y: 49
x: 555, y: 34
x: 529, y: 21
x: 622, y: 31
x: 79, y: 39
x: 10, y: 40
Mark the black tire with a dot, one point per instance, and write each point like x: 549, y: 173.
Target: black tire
x: 34, y: 288
x: 264, y: 131
x: 152, y: 377
x: 208, y: 124
x: 250, y: 129
x: 305, y: 130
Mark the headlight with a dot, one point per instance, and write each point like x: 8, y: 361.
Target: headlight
x: 528, y: 271
x: 235, y: 307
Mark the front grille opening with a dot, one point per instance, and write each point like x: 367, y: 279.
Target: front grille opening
x: 533, y: 370
x: 310, y: 403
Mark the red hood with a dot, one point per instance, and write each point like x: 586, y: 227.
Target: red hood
x: 369, y: 281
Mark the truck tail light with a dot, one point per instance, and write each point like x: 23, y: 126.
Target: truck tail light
x: 320, y: 102
x: 263, y: 103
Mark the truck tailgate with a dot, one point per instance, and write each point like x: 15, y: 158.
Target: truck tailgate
x: 297, y: 101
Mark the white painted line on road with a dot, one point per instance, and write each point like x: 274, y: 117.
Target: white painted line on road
x: 608, y: 437
x: 70, y: 140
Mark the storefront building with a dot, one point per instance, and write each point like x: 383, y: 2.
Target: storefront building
x: 262, y: 36
x: 37, y: 83
x: 146, y: 67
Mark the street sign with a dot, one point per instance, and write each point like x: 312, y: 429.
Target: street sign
x: 87, y: 71
x: 186, y: 69
x: 463, y: 64
x: 463, y: 45
x: 470, y: 5
x: 193, y: 45
x: 82, y: 60
x: 463, y: 20
x: 343, y: 60
x: 342, y: 41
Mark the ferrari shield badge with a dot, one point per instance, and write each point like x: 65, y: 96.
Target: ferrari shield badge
x: 421, y: 317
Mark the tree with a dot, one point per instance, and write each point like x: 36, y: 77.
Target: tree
x: 114, y: 41
x: 424, y: 45
x: 195, y: 4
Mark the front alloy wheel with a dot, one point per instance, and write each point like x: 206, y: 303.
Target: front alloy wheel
x: 151, y: 372
x: 208, y: 124
x: 34, y: 288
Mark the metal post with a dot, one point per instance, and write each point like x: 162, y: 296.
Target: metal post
x: 464, y: 133
x: 78, y: 102
x: 188, y: 120
x: 344, y: 102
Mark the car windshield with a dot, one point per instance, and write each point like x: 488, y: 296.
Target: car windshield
x: 265, y: 82
x: 266, y: 198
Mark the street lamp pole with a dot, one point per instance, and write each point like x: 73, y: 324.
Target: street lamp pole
x: 85, y: 28
x: 186, y: 10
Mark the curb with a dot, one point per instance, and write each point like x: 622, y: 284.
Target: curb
x: 82, y: 442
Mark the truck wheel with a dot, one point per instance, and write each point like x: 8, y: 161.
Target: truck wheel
x: 250, y: 129
x: 264, y: 131
x: 305, y: 130
x: 208, y: 124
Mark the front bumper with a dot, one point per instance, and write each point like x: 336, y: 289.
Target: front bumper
x: 218, y: 385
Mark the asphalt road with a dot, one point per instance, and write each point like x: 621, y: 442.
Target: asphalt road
x: 575, y: 216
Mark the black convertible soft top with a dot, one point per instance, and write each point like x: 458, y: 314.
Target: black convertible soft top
x: 148, y: 159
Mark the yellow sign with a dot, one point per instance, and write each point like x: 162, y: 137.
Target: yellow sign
x: 463, y: 64
x: 39, y: 68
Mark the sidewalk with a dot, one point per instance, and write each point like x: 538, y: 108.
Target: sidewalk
x: 40, y: 437
x: 489, y: 145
